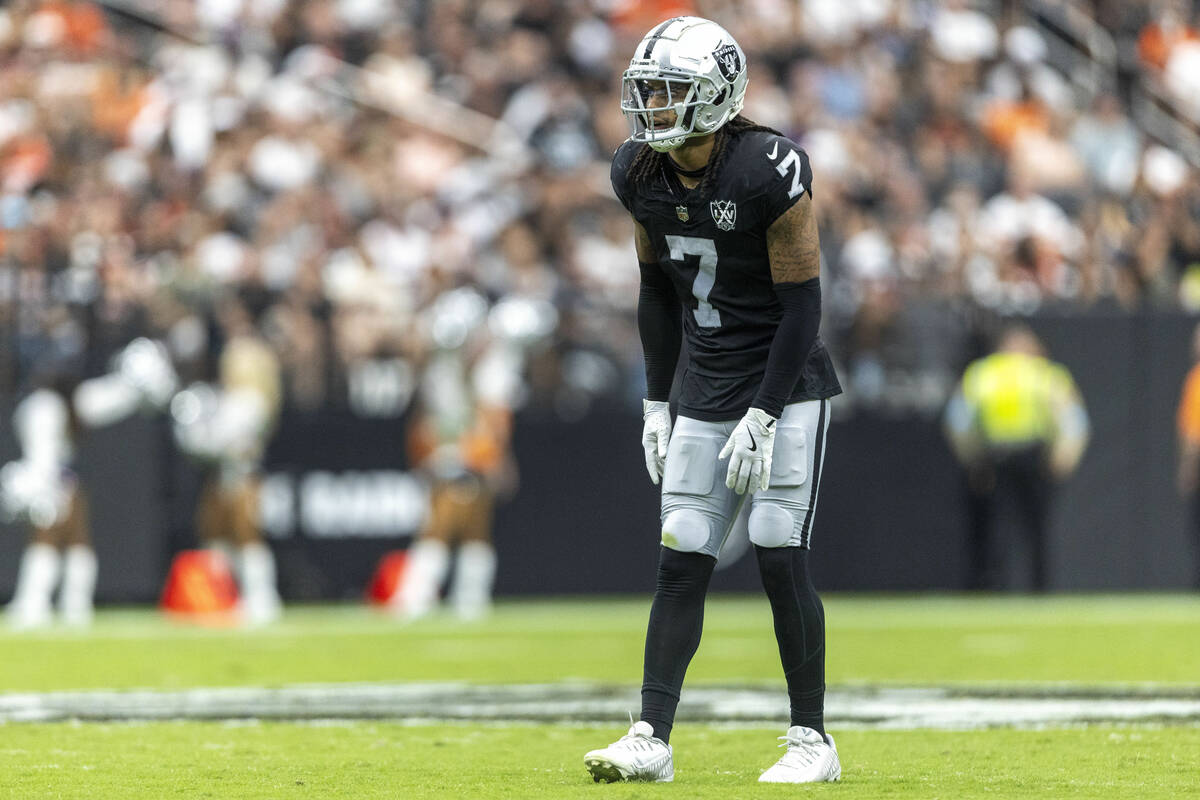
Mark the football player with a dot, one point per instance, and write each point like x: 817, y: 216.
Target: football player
x: 42, y: 488
x: 227, y: 427
x: 727, y: 243
x: 460, y: 441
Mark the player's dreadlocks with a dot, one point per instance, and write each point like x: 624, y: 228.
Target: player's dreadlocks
x: 649, y: 162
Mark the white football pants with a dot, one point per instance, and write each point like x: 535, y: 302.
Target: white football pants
x: 699, y: 511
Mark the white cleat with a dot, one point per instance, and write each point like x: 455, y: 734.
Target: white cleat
x: 636, y: 756
x: 810, y: 758
x: 76, y: 615
x: 29, y: 616
x: 257, y: 609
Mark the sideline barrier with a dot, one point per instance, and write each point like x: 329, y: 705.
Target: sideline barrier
x: 585, y: 519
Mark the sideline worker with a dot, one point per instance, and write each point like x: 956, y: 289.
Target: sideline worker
x: 1018, y: 425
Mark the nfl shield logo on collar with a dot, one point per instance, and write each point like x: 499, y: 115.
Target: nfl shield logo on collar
x: 724, y: 213
x: 682, y: 213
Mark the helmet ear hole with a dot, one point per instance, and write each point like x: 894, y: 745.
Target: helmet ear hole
x: 720, y: 98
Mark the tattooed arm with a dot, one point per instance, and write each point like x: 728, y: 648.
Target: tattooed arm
x: 793, y: 244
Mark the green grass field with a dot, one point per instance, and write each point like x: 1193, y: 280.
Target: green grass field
x: 524, y: 762
x: 1109, y: 641
x: 924, y: 640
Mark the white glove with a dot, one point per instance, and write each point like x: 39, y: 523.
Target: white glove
x: 192, y: 414
x: 33, y: 492
x: 146, y: 365
x: 656, y: 433
x: 749, y: 447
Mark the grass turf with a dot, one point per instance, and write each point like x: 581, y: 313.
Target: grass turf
x: 934, y: 640
x: 530, y: 762
x: 916, y: 640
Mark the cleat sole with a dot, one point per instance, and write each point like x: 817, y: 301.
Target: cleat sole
x: 603, y: 770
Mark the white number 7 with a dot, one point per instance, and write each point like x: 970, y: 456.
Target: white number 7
x: 706, y: 249
x: 792, y: 159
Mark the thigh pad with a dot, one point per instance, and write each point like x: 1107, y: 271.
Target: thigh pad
x: 789, y: 458
x: 691, y: 464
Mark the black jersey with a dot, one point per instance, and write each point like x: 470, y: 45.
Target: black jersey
x: 714, y: 250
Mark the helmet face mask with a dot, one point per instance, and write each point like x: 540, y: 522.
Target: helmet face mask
x: 661, y: 109
x: 687, y: 79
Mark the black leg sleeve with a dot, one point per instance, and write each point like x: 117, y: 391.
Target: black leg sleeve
x: 676, y: 618
x: 799, y: 629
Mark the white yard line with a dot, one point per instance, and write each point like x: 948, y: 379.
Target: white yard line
x: 877, y: 707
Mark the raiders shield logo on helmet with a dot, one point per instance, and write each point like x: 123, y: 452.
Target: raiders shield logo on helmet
x: 682, y: 213
x: 724, y: 213
x: 728, y: 61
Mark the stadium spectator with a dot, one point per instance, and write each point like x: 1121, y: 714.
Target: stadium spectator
x: 1018, y: 426
x: 1006, y: 121
x: 1108, y: 144
x: 1169, y: 28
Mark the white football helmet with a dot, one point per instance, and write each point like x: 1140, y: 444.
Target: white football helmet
x: 146, y: 365
x: 687, y: 78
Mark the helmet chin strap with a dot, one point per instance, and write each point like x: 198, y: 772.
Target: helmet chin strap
x: 667, y: 145
x: 673, y: 143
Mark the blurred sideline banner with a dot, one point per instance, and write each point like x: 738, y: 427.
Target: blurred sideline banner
x: 338, y: 495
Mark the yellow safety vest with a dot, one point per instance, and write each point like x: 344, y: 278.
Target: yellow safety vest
x: 1014, y: 397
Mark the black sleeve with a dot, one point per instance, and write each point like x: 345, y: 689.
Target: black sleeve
x: 660, y: 323
x: 794, y: 338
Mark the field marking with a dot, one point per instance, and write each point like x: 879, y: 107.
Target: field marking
x: 856, y: 706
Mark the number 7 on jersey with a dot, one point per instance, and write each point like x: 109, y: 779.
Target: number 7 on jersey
x: 706, y: 251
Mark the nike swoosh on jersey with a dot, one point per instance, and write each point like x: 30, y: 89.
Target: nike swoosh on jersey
x: 774, y: 151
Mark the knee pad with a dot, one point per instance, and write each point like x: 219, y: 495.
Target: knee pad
x: 770, y: 525
x: 685, y: 530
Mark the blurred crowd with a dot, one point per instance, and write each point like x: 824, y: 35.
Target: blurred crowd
x: 336, y: 165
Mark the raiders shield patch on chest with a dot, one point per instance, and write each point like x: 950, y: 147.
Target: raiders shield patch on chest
x: 682, y: 213
x: 724, y: 213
